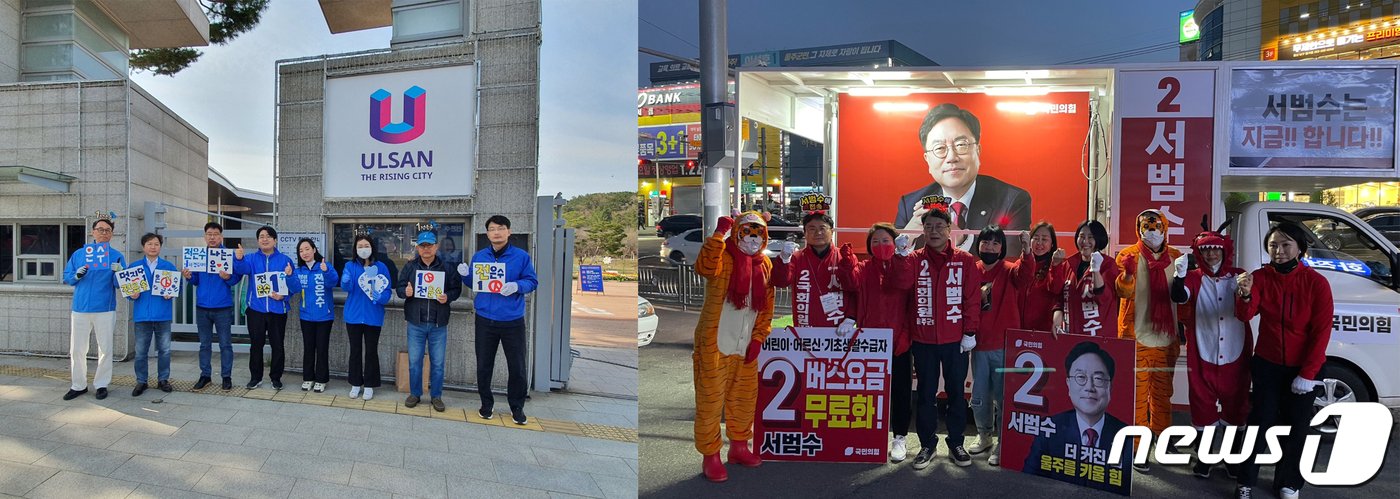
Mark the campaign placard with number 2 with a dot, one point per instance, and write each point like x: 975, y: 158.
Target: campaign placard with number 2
x: 489, y: 277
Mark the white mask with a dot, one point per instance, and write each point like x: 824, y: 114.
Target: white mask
x: 1152, y: 238
x: 750, y: 245
x: 363, y: 252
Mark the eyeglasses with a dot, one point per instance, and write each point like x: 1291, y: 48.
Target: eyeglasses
x: 1100, y: 380
x: 497, y: 229
x: 103, y: 230
x: 961, y: 147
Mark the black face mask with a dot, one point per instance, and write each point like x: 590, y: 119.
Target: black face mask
x: 1286, y: 267
x: 989, y: 258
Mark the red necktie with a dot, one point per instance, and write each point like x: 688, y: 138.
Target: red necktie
x: 1092, y: 436
x: 958, y: 213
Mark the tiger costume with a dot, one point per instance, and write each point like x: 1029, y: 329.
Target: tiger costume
x: 736, y: 318
x: 1147, y: 315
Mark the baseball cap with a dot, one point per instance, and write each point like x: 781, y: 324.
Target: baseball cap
x: 427, y: 237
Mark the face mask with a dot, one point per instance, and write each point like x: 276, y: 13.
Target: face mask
x: 1152, y: 238
x: 883, y: 251
x: 750, y: 245
x: 363, y: 253
x: 1286, y: 267
x: 989, y: 258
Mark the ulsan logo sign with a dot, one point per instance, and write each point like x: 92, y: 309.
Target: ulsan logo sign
x: 415, y: 106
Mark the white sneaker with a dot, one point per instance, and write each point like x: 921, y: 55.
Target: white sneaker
x: 983, y: 443
x: 305, y: 385
x: 995, y: 459
x: 319, y: 387
x: 354, y: 392
x: 1288, y: 493
x: 899, y: 450
x: 369, y: 393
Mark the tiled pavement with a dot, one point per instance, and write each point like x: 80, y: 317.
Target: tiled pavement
x: 611, y: 372
x: 187, y: 444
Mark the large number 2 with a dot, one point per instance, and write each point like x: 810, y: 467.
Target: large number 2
x: 774, y: 411
x: 1173, y: 87
x: 1024, y: 395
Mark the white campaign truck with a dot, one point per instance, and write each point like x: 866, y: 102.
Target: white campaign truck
x: 1363, y: 356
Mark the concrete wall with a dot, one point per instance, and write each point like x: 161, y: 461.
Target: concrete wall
x: 82, y: 129
x: 505, y: 42
x: 9, y: 40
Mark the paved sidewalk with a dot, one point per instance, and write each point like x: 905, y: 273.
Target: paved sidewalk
x: 239, y: 444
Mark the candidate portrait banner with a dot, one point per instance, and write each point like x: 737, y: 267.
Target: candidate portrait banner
x: 822, y: 397
x: 1313, y: 118
x: 1027, y: 143
x: 1056, y: 427
x: 1166, y: 146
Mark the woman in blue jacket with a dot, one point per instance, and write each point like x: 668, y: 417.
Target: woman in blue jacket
x: 367, y: 282
x: 316, y: 278
x: 152, y: 315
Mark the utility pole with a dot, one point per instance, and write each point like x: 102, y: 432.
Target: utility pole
x: 716, y: 115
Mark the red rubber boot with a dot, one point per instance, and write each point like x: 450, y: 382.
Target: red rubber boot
x: 714, y: 469
x: 740, y: 454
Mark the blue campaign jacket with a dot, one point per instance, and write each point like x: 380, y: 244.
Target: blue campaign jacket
x: 359, y: 308
x: 315, y: 286
x: 519, y: 270
x: 148, y: 307
x: 97, y: 291
x: 256, y: 263
x: 215, y: 291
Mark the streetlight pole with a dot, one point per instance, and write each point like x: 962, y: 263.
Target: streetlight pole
x: 714, y: 119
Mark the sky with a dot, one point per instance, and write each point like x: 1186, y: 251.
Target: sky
x: 952, y: 33
x: 588, y: 131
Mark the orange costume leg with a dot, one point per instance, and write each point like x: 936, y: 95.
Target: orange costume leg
x: 1153, y: 407
x: 713, y: 382
x: 740, y: 401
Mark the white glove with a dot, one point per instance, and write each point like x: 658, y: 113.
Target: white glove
x: 463, y: 269
x: 1180, y: 266
x: 509, y: 289
x: 82, y: 271
x: 968, y: 343
x: 1095, y: 261
x: 789, y: 248
x: 116, y: 266
x: 902, y: 245
x: 1302, y: 386
x: 845, y: 328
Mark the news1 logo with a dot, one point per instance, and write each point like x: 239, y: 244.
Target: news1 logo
x: 1358, y: 449
x: 415, y: 108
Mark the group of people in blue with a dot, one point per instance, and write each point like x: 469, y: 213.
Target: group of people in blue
x: 368, y: 283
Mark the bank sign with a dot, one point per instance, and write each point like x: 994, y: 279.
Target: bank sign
x: 406, y: 134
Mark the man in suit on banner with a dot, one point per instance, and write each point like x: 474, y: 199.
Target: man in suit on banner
x: 1089, y: 378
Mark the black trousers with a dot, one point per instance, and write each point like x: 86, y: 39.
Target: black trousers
x: 364, y: 355
x: 511, y: 338
x: 266, y: 328
x: 928, y: 361
x: 901, y: 393
x: 315, y: 352
x: 1273, y: 403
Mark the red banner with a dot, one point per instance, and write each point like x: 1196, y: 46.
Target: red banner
x: 1066, y: 399
x: 824, y: 398
x: 1167, y: 146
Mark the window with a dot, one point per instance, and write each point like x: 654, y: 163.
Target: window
x: 394, y: 241
x: 420, y: 20
x: 7, y: 253
x: 1337, y: 240
x: 37, y: 252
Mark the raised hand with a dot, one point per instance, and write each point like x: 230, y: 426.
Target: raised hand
x: 288, y: 269
x: 408, y: 291
x: 902, y: 245
x: 238, y: 253
x: 1026, y: 242
x: 463, y: 269
x: 185, y: 273
x: 323, y: 266
x: 1057, y: 257
x: 723, y: 225
x: 846, y: 251
x: 789, y: 248
x: 1180, y: 266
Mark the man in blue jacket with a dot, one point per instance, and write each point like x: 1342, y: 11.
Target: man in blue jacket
x: 500, y: 314
x: 214, y: 310
x: 267, y: 316
x: 152, y: 315
x: 92, y: 273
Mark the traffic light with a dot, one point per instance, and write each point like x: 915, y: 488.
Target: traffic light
x: 690, y: 164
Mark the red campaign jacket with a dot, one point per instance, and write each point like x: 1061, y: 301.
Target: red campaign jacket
x: 880, y: 294
x: 1002, y: 283
x: 947, y: 297
x: 1072, y: 301
x: 1295, y: 317
x: 810, y: 277
x: 1039, y: 298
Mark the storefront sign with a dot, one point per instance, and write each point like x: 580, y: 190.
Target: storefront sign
x: 668, y: 141
x: 1190, y: 31
x: 1066, y: 401
x: 409, y: 134
x: 1312, y: 118
x: 824, y: 398
x: 1166, y: 146
x: 835, y: 55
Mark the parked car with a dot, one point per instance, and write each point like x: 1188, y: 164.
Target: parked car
x: 1387, y: 223
x: 782, y: 229
x: 677, y: 224
x: 684, y: 248
x: 646, y: 322
x: 1335, y: 238
x: 1372, y: 210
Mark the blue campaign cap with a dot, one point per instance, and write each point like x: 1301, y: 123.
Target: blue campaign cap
x: 427, y: 237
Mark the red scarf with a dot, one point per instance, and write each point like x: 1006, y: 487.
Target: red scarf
x: 748, y: 278
x: 1159, y: 293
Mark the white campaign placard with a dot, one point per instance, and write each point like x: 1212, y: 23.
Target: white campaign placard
x: 428, y: 284
x: 196, y: 259
x: 404, y: 134
x: 132, y: 280
x: 267, y: 283
x: 167, y: 283
x: 287, y: 242
x: 488, y: 277
x: 220, y: 260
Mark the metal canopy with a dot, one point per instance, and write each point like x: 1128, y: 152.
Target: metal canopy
x: 53, y: 181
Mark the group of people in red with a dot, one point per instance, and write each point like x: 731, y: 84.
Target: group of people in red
x: 944, y: 303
